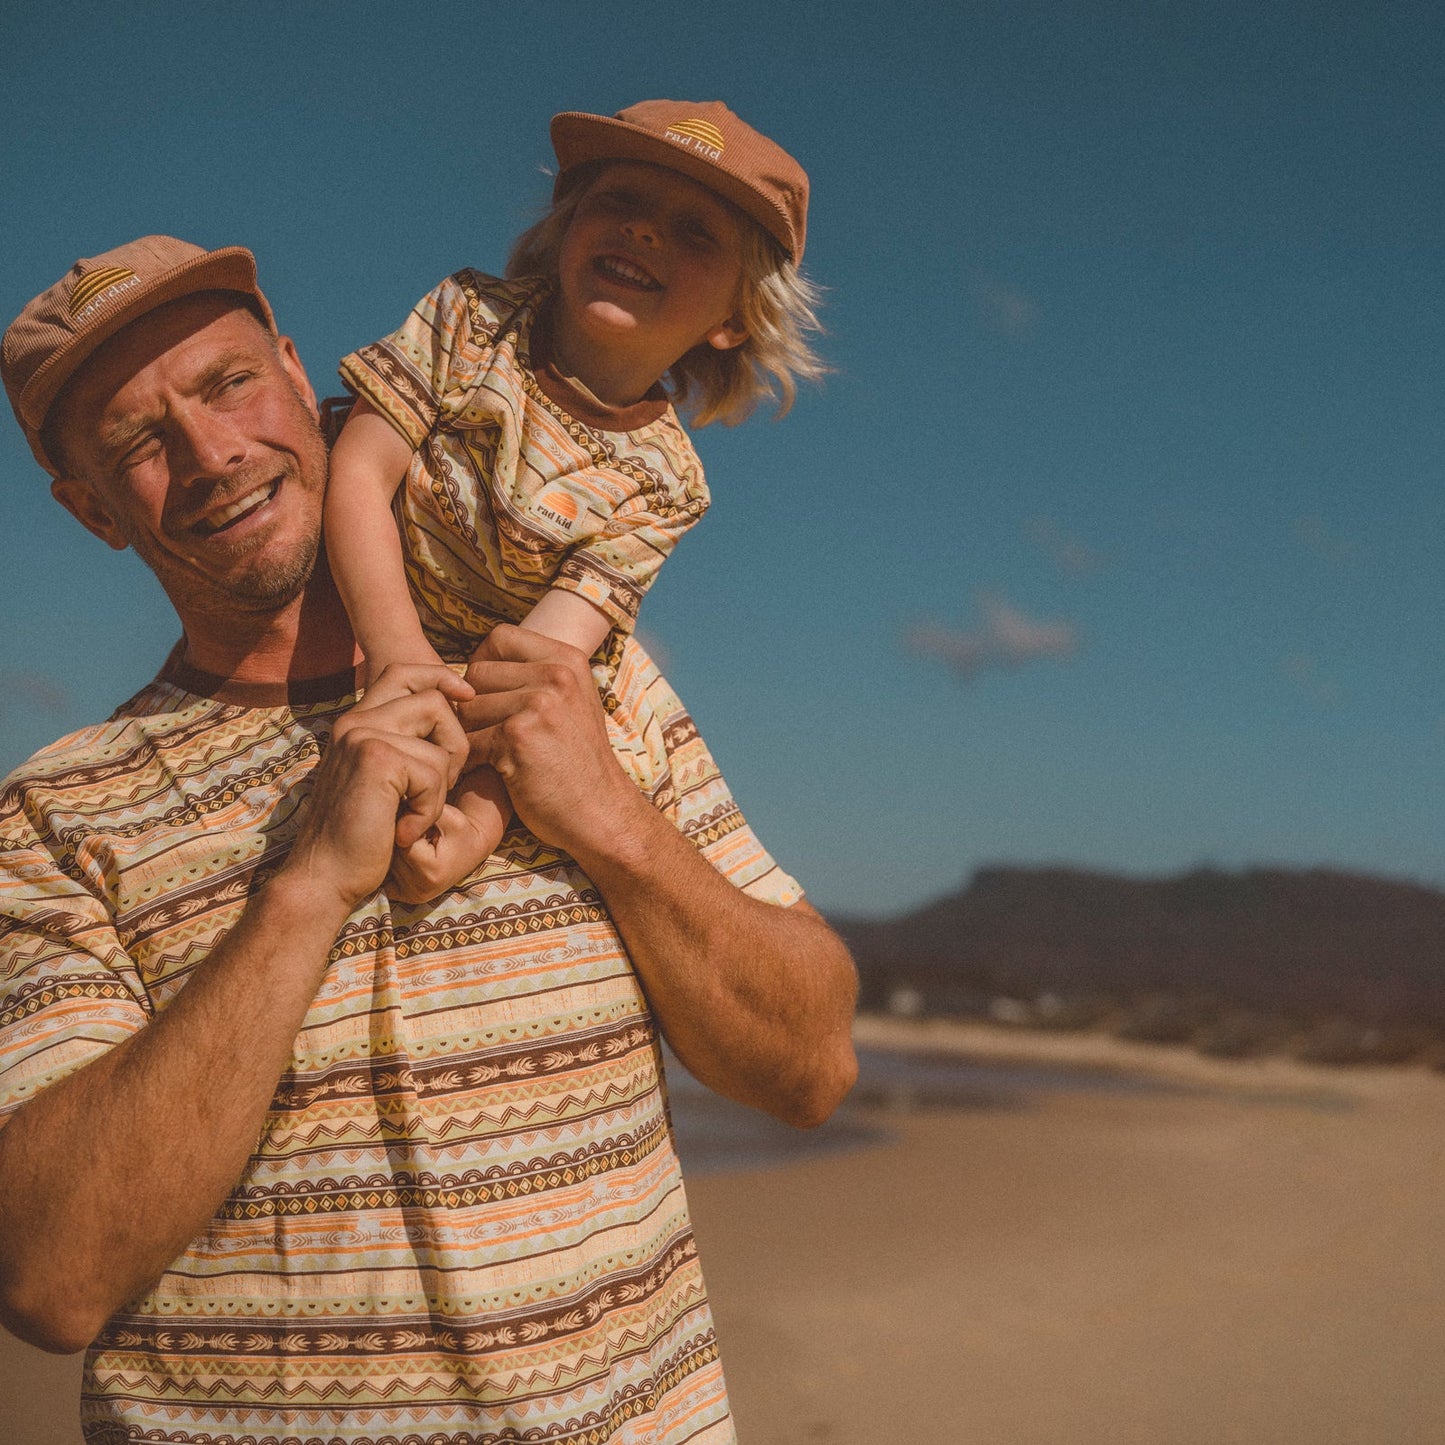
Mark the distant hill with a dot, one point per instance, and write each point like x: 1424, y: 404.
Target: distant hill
x: 1252, y: 956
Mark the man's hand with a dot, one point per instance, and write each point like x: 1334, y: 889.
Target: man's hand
x: 383, y: 782
x: 537, y: 720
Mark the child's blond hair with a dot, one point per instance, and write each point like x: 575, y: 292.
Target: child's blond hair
x: 778, y: 307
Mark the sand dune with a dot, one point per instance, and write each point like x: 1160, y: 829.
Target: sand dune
x: 1252, y: 1258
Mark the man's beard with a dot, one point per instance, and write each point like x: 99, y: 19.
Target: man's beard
x: 272, y: 585
x: 274, y: 581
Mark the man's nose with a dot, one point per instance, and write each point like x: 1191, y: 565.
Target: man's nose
x: 204, y: 445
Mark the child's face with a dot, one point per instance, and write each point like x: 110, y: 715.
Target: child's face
x: 651, y: 266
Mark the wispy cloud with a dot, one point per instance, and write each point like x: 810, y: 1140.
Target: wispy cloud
x: 1004, y: 309
x: 1303, y: 669
x: 1069, y: 554
x: 33, y: 689
x: 1007, y: 638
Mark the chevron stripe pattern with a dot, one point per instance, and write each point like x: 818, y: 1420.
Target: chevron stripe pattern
x: 464, y: 1222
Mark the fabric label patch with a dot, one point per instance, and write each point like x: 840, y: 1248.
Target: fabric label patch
x: 559, y: 508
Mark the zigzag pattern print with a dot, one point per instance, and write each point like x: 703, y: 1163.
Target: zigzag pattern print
x: 463, y: 1222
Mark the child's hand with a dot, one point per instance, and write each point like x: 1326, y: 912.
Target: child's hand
x: 466, y: 832
x: 445, y: 854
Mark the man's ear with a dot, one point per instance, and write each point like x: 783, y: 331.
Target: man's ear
x: 79, y: 499
x: 291, y: 365
x: 728, y: 334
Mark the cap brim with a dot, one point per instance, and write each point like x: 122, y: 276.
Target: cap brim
x: 578, y: 138
x: 230, y: 268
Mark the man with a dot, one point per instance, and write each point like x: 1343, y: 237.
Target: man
x: 298, y: 1163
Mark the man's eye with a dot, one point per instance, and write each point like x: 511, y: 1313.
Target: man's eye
x: 237, y: 379
x: 140, y: 452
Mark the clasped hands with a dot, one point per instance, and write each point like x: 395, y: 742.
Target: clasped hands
x: 527, y: 706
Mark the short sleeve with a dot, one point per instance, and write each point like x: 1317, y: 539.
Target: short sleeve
x: 410, y: 375
x: 613, y: 569
x: 645, y: 489
x: 68, y: 991
x: 699, y: 802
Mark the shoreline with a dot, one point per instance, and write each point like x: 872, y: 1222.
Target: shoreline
x: 1090, y: 1051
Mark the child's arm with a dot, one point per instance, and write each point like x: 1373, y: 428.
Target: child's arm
x: 566, y: 617
x: 475, y: 816
x: 368, y: 464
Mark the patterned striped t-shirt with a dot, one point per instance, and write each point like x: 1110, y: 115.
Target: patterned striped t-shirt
x: 463, y: 1222
x: 518, y: 482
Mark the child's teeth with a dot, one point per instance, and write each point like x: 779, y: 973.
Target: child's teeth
x: 630, y: 273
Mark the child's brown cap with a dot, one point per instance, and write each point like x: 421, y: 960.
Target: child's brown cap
x: 706, y: 142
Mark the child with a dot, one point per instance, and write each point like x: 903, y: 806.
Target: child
x: 522, y: 431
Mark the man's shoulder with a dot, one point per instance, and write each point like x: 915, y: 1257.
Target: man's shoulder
x: 95, y: 746
x: 169, y: 769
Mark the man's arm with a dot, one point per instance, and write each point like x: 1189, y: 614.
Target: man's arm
x: 106, y: 1176
x: 755, y: 999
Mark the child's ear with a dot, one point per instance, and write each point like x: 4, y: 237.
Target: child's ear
x: 729, y: 334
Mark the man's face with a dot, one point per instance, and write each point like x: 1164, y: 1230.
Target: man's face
x: 192, y: 437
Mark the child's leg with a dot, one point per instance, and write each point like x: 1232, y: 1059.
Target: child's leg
x: 470, y: 827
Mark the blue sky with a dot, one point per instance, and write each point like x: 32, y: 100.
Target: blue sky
x: 1115, y: 537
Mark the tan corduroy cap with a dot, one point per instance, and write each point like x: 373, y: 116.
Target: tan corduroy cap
x: 706, y: 142
x: 98, y: 296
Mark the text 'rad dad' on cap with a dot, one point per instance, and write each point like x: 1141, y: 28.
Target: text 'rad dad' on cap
x: 100, y: 295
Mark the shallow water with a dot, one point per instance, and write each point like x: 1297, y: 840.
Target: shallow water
x: 715, y: 1135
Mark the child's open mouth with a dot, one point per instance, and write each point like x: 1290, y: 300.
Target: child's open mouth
x: 624, y: 273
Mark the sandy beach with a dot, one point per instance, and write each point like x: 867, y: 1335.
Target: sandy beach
x: 1212, y: 1251
x: 1254, y: 1259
